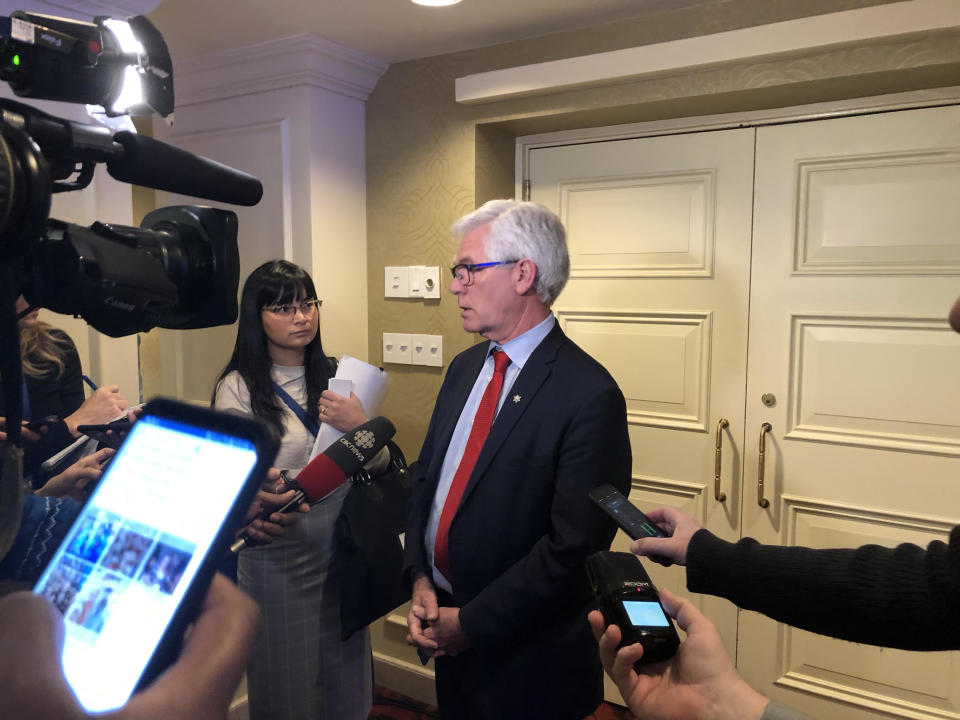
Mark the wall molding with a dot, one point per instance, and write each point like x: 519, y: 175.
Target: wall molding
x: 88, y: 9
x: 300, y: 60
x: 791, y: 37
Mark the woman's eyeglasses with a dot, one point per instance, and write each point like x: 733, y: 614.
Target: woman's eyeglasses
x: 306, y: 308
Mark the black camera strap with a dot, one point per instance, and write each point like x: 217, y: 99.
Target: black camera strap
x: 11, y: 371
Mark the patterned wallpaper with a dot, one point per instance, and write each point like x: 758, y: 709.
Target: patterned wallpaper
x: 430, y: 160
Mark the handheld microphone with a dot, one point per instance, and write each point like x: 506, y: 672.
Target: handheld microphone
x: 331, y: 468
x: 155, y: 164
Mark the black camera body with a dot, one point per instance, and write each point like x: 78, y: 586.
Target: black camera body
x: 180, y: 269
x: 628, y: 599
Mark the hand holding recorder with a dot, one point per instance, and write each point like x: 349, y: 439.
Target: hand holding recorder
x: 699, y: 681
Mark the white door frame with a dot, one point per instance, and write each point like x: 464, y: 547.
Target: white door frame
x: 753, y: 118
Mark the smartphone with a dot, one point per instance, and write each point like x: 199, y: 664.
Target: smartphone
x: 628, y: 516
x: 627, y: 598
x: 36, y: 425
x: 120, y: 428
x: 131, y: 573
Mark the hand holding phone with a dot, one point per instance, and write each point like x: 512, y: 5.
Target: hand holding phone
x: 111, y: 433
x: 37, y: 425
x: 130, y: 574
x: 200, y: 684
x: 628, y: 516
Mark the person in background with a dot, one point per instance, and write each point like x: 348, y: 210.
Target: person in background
x: 501, y: 523
x: 299, y: 667
x: 53, y: 390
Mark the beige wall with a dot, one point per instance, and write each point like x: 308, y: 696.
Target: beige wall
x: 429, y: 160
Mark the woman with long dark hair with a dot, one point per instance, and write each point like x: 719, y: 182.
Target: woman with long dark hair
x: 299, y: 667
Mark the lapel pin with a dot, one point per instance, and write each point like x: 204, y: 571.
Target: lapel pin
x: 516, y: 399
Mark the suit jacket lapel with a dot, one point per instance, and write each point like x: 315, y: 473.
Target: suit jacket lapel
x: 528, y: 383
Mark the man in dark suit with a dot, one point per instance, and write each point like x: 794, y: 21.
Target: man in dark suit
x: 501, y: 522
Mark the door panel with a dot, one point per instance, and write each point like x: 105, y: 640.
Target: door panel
x: 659, y: 233
x: 855, y: 264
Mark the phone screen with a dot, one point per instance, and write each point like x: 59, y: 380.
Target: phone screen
x: 629, y: 516
x: 125, y: 566
x: 646, y: 613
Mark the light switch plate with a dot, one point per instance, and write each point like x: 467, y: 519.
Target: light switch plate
x: 396, y: 282
x: 424, y: 281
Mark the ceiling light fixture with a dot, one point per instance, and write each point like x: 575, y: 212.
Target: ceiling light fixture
x: 435, y: 3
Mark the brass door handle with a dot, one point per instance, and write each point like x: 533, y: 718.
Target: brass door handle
x: 717, y: 495
x: 761, y: 500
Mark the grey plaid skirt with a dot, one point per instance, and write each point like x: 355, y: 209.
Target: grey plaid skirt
x: 299, y: 668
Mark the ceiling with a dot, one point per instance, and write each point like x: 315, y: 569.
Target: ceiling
x: 392, y: 30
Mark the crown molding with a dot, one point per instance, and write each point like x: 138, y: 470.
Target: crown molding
x: 791, y: 37
x: 288, y: 62
x: 85, y: 9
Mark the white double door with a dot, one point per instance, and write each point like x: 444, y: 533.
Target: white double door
x: 788, y: 282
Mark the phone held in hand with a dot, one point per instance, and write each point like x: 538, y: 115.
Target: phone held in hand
x: 629, y: 600
x: 38, y: 425
x: 99, y: 432
x: 628, y: 516
x: 131, y: 573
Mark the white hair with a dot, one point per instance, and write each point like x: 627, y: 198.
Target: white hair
x: 524, y: 230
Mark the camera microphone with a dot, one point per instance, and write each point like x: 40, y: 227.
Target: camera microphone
x: 331, y: 468
x: 156, y: 165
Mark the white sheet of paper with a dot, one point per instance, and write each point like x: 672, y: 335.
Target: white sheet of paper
x: 341, y: 386
x: 370, y: 384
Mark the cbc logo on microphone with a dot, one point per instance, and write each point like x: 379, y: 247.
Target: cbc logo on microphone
x: 364, y: 439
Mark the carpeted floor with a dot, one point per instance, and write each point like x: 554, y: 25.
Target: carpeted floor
x: 388, y: 705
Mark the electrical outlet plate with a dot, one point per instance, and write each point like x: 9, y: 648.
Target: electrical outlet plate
x: 396, y: 348
x: 427, y: 350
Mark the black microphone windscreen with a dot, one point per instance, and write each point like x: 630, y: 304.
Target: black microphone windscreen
x: 156, y: 165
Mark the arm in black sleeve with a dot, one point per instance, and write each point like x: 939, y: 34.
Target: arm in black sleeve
x: 903, y: 597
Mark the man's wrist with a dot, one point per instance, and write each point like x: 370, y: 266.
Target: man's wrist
x: 739, y: 701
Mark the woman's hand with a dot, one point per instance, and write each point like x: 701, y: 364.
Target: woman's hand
x: 73, y: 481
x: 343, y: 413
x: 101, y: 407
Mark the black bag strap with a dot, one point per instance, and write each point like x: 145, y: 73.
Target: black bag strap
x: 308, y: 422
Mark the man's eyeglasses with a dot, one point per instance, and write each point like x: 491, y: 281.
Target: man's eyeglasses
x: 464, y: 272
x: 306, y: 308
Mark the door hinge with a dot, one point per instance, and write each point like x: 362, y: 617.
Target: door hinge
x: 526, y: 190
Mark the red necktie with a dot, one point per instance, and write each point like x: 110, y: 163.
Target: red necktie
x: 478, y: 433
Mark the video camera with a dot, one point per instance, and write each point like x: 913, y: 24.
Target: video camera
x: 180, y: 268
